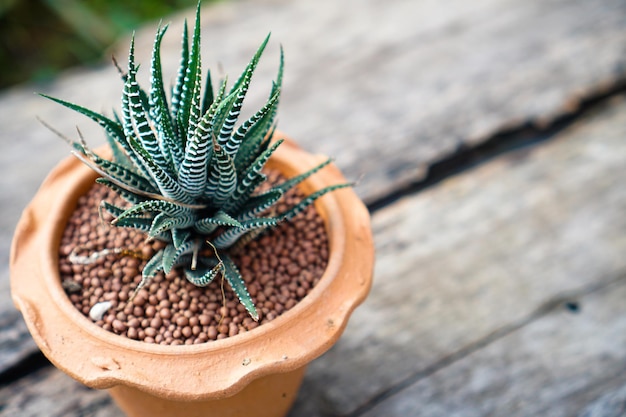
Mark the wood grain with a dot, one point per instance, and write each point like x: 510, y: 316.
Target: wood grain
x: 468, y: 314
x: 552, y: 367
x: 479, y: 254
x: 51, y: 393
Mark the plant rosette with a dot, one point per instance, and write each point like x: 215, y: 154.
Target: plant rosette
x: 256, y: 373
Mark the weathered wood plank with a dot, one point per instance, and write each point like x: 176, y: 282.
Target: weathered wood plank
x: 15, y: 341
x: 478, y: 253
x: 611, y: 404
x: 549, y: 368
x: 51, y: 393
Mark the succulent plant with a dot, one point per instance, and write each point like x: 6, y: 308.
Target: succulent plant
x: 190, y: 175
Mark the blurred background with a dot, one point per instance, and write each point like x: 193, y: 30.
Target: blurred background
x: 38, y: 38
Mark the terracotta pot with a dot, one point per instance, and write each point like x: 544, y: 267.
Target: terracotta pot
x: 256, y: 373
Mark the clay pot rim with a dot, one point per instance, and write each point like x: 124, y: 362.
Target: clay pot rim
x: 111, y: 368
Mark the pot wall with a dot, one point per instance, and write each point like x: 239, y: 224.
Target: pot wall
x: 269, y: 396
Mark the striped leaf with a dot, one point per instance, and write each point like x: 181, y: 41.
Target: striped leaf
x: 191, y: 83
x: 241, y: 89
x: 230, y: 236
x: 277, y: 85
x: 180, y: 236
x: 111, y: 208
x: 203, y: 276
x: 177, y: 90
x: 256, y: 134
x: 250, y: 179
x: 172, y: 254
x: 117, y: 174
x: 193, y: 171
x: 222, y: 177
x: 233, y: 276
x: 195, y: 112
x: 307, y: 201
x: 131, y: 197
x: 162, y: 223
x: 166, y: 184
x: 210, y: 224
x: 141, y: 224
x: 241, y: 135
x: 222, y: 114
x: 159, y: 111
x: 127, y: 120
x: 292, y: 182
x: 154, y: 265
x: 136, y: 124
x: 193, y: 175
x: 157, y: 206
x: 258, y: 204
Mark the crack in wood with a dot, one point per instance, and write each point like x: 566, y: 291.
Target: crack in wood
x: 28, y: 365
x: 529, y: 133
x: 550, y: 306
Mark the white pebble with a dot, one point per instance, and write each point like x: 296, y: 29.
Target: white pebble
x: 97, y: 311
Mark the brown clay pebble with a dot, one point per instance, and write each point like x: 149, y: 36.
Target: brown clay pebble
x: 279, y: 268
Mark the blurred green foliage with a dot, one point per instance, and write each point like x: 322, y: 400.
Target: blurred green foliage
x: 40, y: 37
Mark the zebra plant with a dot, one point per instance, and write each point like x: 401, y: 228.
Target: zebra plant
x: 188, y: 173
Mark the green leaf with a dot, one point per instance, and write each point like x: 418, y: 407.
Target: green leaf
x: 113, y: 129
x: 191, y: 85
x: 154, y: 265
x: 208, y: 98
x: 240, y: 88
x: 129, y: 196
x: 136, y: 124
x: 209, y: 224
x: 254, y: 133
x: 222, y: 177
x: 177, y: 91
x: 203, y: 276
x: 158, y: 206
x: 230, y: 236
x: 307, y: 201
x: 249, y: 181
x: 162, y: 222
x: 180, y: 236
x: 172, y: 255
x: 166, y: 184
x: 159, y: 111
x: 116, y: 173
x: 233, y: 276
x: 292, y: 182
x: 113, y: 209
x: 194, y: 170
x: 259, y: 204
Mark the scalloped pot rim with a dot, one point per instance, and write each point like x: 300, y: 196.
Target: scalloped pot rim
x: 213, y: 370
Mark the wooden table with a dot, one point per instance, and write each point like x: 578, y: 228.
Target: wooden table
x: 490, y: 139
